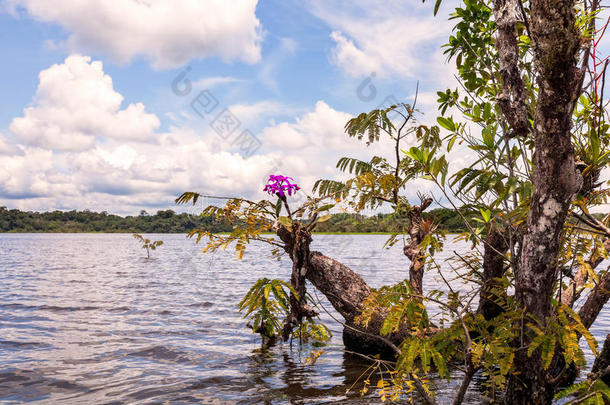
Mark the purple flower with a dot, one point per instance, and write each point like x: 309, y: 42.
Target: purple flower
x: 280, y: 185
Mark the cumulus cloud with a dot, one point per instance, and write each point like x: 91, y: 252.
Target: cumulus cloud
x: 75, y: 103
x: 321, y: 128
x: 7, y: 148
x: 76, y: 148
x: 126, y: 176
x: 168, y: 33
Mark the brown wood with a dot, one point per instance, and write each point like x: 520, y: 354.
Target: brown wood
x: 601, y: 366
x: 413, y: 249
x: 493, y: 269
x: 346, y: 292
x: 556, y: 42
x: 512, y: 99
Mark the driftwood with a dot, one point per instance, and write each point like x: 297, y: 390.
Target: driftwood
x: 346, y: 291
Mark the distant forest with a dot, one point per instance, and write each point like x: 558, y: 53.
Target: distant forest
x: 168, y: 221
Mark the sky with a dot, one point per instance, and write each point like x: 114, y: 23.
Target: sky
x: 122, y: 105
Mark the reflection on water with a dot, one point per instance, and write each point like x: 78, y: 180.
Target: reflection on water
x: 87, y: 319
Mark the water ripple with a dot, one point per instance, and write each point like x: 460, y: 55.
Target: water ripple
x: 87, y: 319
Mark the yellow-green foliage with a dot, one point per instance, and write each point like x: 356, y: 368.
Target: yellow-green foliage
x: 147, y: 244
x: 401, y: 307
x: 315, y: 333
x: 586, y: 392
x: 265, y: 304
x: 561, y: 331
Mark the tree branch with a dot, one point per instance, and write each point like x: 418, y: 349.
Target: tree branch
x: 595, y: 301
x: 512, y: 99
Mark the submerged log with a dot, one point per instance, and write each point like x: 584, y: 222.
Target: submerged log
x: 346, y: 291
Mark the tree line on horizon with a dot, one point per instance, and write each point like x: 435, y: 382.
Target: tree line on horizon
x: 168, y: 221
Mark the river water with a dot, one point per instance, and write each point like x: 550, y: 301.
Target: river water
x: 86, y: 318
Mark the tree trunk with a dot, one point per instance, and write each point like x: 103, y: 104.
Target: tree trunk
x: 343, y: 287
x: 300, y: 263
x: 493, y: 270
x: 556, y: 42
x: 601, y: 366
x: 346, y: 291
x: 512, y: 99
x: 413, y: 250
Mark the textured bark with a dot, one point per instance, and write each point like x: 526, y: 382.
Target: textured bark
x: 601, y: 366
x: 493, y: 269
x: 555, y: 179
x: 299, y: 252
x: 346, y: 291
x: 590, y: 180
x: 512, y: 99
x: 413, y: 250
x: 343, y: 287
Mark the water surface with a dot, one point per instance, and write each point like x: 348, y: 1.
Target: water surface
x: 85, y: 318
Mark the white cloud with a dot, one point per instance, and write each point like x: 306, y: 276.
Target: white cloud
x: 211, y: 82
x: 32, y: 175
x: 126, y: 176
x: 168, y: 33
x: 321, y: 129
x: 75, y: 148
x: 393, y: 38
x: 74, y: 103
x: 6, y: 148
x: 352, y: 59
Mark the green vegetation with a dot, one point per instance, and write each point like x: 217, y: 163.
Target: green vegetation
x: 164, y: 221
x: 168, y: 221
x: 505, y: 310
x: 448, y: 220
x: 147, y: 244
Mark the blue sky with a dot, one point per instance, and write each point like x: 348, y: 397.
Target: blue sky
x: 88, y: 117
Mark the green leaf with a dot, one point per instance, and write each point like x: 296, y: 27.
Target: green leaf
x: 424, y: 355
x: 450, y: 143
x: 267, y: 291
x: 488, y: 138
x: 437, y: 6
x: 594, y: 139
x: 415, y: 154
x: 324, y: 218
x: 285, y: 221
x: 486, y: 214
x: 446, y: 123
x: 325, y: 207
